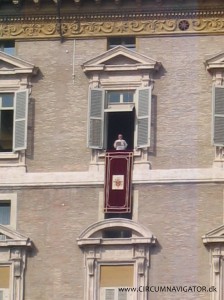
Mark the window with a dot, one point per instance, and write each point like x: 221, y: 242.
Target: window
x: 114, y: 97
x: 113, y: 277
x: 4, y: 282
x: 7, y: 47
x: 128, y: 42
x: 8, y: 210
x: 109, y: 111
x: 115, y: 262
x: 214, y: 241
x: 13, y: 121
x: 13, y: 255
x: 5, y: 210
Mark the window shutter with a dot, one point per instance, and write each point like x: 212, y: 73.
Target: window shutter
x: 20, y: 120
x: 109, y: 294
x: 96, y: 118
x: 218, y: 115
x: 123, y: 295
x: 143, y: 110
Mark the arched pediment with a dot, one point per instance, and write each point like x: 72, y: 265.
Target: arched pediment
x: 94, y: 233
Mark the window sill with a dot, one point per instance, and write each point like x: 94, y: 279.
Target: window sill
x: 8, y: 155
x: 137, y: 152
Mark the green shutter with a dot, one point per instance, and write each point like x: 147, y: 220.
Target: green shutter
x: 20, y: 120
x: 218, y: 115
x: 143, y: 110
x: 96, y: 118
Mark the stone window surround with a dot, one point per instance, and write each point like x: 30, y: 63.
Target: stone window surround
x: 16, y: 78
x: 215, y: 66
x: 108, y: 76
x: 115, y: 251
x: 13, y: 253
x: 214, y: 240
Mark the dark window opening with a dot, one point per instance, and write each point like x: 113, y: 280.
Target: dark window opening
x: 5, y: 209
x: 120, y: 123
x: 6, y: 130
x: 117, y: 233
x: 118, y: 215
x: 128, y: 42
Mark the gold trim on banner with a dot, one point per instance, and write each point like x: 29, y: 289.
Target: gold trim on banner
x: 74, y: 29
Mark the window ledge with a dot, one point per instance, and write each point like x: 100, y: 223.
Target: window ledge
x: 137, y: 152
x: 10, y: 155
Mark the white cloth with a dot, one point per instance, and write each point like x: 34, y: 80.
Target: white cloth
x: 120, y: 144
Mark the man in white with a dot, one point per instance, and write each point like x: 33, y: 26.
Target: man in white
x: 120, y: 144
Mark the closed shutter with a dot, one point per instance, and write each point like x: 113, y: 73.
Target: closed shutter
x: 123, y: 295
x: 218, y: 115
x: 4, y: 294
x: 110, y: 294
x: 143, y: 110
x: 114, y: 293
x: 96, y: 119
x: 20, y: 120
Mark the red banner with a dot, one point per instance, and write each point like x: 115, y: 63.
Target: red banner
x: 118, y: 178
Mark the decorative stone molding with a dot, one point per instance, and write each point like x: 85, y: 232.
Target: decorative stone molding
x: 214, y: 240
x: 113, y: 25
x: 215, y: 65
x: 99, y: 250
x: 13, y: 252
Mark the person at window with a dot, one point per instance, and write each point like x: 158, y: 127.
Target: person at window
x: 120, y: 143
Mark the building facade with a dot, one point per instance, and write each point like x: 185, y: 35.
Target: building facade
x: 78, y: 219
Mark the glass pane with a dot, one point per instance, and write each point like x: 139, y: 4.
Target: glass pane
x: 128, y: 96
x: 113, y: 97
x: 5, y: 213
x: 8, y: 47
x: 7, y: 100
x: 9, y: 50
x: 6, y: 130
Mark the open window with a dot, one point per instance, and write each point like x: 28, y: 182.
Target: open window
x: 120, y: 95
x: 15, y: 86
x: 114, y: 112
x: 13, y: 121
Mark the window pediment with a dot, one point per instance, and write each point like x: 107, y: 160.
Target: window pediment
x: 10, y: 237
x: 120, y: 59
x: 214, y: 236
x: 215, y: 62
x: 13, y: 65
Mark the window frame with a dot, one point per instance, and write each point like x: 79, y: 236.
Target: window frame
x: 115, y: 251
x: 3, y: 47
x: 12, y: 199
x: 105, y: 108
x: 17, y: 118
x: 123, y: 42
